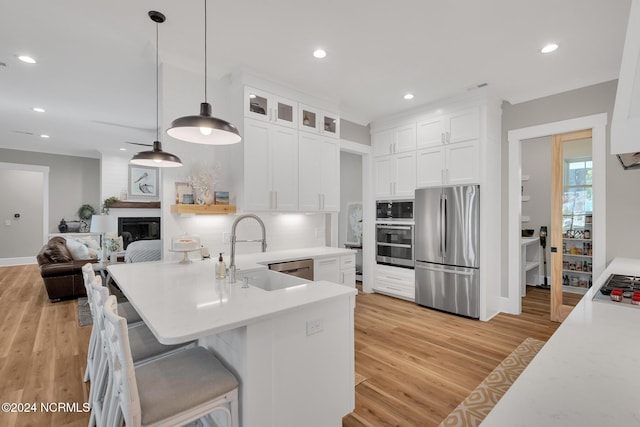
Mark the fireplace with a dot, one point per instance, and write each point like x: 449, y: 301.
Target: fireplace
x: 138, y: 228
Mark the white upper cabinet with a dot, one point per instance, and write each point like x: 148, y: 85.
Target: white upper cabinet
x: 318, y: 121
x: 270, y: 166
x: 448, y: 149
x: 395, y: 176
x: 459, y: 126
x: 448, y: 164
x: 319, y: 173
x: 267, y: 107
x: 400, y: 139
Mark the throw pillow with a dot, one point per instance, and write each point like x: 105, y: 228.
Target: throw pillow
x: 90, y: 242
x: 77, y: 249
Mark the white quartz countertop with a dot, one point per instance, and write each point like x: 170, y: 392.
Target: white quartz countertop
x: 260, y: 259
x: 587, y: 373
x: 181, y: 302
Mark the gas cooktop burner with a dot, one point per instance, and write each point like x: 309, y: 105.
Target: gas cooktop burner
x: 628, y: 284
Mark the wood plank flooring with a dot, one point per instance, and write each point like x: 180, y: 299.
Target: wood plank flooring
x: 418, y: 364
x: 43, y: 351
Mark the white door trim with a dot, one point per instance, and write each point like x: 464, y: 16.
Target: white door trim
x: 597, y: 123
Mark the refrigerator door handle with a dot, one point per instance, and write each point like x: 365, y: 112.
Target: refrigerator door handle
x: 444, y: 228
x: 445, y: 270
x: 440, y: 228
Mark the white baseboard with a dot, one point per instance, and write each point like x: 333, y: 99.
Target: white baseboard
x: 5, y: 262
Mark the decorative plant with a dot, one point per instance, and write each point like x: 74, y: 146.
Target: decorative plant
x: 106, y: 205
x: 203, y: 180
x: 86, y: 212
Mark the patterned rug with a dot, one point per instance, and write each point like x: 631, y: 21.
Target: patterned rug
x: 481, y: 401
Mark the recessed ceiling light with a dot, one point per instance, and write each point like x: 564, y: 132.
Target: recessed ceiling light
x: 408, y: 96
x: 38, y: 109
x: 27, y: 59
x: 549, y: 48
x: 123, y: 149
x: 44, y: 136
x: 319, y: 53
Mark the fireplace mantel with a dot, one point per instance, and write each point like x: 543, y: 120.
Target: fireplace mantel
x: 127, y: 204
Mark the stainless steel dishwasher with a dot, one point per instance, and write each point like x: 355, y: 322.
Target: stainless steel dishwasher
x: 302, y: 268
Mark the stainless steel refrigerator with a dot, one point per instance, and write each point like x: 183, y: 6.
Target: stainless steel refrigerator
x: 447, y: 237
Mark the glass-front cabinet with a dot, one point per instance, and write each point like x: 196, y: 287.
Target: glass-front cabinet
x: 577, y: 221
x: 270, y: 108
x: 318, y: 121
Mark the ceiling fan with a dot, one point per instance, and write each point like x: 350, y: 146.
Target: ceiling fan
x: 139, y: 143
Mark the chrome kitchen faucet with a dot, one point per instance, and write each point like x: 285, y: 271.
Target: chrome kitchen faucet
x: 232, y: 264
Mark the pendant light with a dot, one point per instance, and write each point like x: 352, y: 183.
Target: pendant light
x: 156, y: 157
x: 203, y: 128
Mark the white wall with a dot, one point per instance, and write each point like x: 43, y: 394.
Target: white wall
x: 73, y: 181
x: 623, y: 203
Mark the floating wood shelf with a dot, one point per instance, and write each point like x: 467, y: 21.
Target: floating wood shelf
x: 125, y: 204
x: 203, y: 209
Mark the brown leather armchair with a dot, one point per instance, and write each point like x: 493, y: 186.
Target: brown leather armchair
x: 61, y: 274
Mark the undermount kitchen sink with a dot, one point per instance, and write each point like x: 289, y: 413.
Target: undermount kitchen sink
x: 270, y: 280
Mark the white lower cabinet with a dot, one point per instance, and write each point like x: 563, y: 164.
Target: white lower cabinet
x: 327, y: 269
x: 348, y: 270
x: 394, y: 281
x: 339, y: 269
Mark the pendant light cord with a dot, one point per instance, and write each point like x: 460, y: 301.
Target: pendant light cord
x: 205, y: 50
x: 157, y: 87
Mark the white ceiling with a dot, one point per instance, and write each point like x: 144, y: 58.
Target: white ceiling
x: 95, y: 74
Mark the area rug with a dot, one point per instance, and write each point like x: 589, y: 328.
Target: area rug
x: 481, y: 401
x: 84, y: 312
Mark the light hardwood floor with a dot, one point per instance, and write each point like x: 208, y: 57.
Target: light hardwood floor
x: 417, y: 364
x: 42, y: 351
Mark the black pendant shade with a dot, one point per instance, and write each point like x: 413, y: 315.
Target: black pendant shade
x: 156, y: 158
x: 204, y: 128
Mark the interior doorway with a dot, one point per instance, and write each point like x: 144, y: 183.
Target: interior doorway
x: 571, y: 217
x: 357, y: 217
x: 511, y: 302
x: 24, y: 211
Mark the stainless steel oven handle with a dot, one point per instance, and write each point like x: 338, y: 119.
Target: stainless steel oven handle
x: 393, y: 227
x: 445, y: 270
x: 394, y: 245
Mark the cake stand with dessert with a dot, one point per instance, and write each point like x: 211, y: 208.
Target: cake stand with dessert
x: 185, y: 244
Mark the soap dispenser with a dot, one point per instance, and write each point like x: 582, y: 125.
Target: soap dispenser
x: 221, y: 268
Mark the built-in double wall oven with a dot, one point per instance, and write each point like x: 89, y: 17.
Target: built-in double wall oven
x: 394, y: 233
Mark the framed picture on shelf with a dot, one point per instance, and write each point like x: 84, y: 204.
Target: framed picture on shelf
x: 221, y: 198
x: 184, y: 193
x: 143, y: 182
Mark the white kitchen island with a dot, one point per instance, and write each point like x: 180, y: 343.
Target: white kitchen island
x: 292, y: 349
x: 587, y: 373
